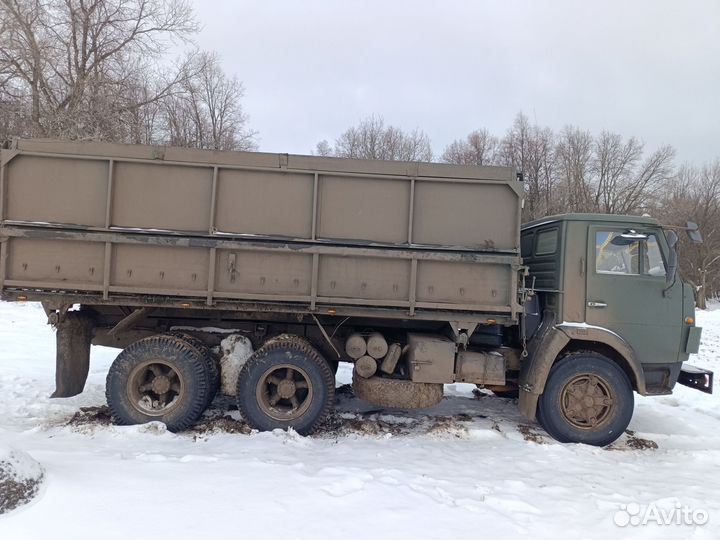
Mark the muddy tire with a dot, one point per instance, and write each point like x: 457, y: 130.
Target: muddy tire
x: 159, y: 378
x: 397, y: 393
x: 285, y: 384
x: 588, y: 399
x: 213, y: 363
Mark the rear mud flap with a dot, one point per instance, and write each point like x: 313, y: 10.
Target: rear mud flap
x: 72, y: 355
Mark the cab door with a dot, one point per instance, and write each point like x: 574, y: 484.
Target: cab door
x: 626, y: 282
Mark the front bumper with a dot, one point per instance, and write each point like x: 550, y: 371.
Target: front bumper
x: 697, y: 378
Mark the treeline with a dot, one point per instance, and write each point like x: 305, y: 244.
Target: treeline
x: 102, y: 70
x: 574, y: 170
x: 105, y: 70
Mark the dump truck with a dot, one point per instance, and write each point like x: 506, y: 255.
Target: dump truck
x: 420, y: 274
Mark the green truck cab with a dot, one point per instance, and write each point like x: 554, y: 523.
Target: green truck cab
x: 608, y: 296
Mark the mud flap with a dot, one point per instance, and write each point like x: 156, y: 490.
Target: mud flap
x: 527, y: 404
x: 72, y: 355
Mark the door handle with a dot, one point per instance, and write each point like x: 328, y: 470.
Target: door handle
x: 596, y: 304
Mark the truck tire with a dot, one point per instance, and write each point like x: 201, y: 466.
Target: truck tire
x: 210, y: 358
x: 397, y: 393
x: 285, y: 384
x: 588, y: 399
x: 159, y: 378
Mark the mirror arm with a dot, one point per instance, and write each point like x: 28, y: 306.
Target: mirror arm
x: 672, y: 241
x: 670, y: 286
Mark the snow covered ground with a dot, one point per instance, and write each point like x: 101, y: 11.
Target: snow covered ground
x: 471, y: 467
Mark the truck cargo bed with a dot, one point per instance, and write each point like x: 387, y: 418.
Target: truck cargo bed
x: 112, y: 222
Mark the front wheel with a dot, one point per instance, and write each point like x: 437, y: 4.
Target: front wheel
x: 588, y: 399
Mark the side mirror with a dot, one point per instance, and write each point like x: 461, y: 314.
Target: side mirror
x: 693, y: 232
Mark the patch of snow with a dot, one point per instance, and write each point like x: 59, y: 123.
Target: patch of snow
x: 499, y: 476
x: 590, y: 326
x: 18, y: 464
x: 235, y: 349
x: 20, y: 478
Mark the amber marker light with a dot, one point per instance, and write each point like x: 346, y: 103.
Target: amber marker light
x: 689, y: 320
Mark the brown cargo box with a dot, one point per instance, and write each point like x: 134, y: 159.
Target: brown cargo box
x: 243, y: 226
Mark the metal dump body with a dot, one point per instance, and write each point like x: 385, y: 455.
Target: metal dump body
x: 118, y: 220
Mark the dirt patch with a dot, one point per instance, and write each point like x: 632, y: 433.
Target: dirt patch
x: 448, y: 425
x: 337, y: 425
x: 14, y: 493
x: 91, y: 416
x: 530, y: 433
x: 220, y: 424
x: 378, y: 424
x: 20, y: 480
x: 634, y: 443
x: 373, y: 423
x: 346, y: 390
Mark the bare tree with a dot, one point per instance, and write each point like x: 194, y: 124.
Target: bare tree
x: 623, y: 183
x: 531, y: 149
x: 72, y: 59
x: 514, y: 145
x: 478, y: 148
x: 98, y: 69
x: 372, y: 139
x: 694, y: 195
x: 574, y: 162
x: 205, y: 111
x: 655, y: 170
x: 323, y: 148
x: 539, y: 173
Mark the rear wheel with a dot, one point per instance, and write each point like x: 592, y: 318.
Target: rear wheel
x: 209, y: 357
x: 286, y: 384
x: 588, y: 399
x: 159, y: 378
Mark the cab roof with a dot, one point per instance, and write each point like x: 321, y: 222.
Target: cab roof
x: 605, y: 218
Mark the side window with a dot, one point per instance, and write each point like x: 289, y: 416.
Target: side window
x: 526, y: 244
x: 618, y: 254
x: 655, y: 265
x: 546, y: 243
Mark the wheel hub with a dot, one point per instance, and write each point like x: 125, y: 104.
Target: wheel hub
x: 286, y: 389
x: 284, y: 392
x: 587, y: 401
x: 155, y: 387
x: 161, y: 384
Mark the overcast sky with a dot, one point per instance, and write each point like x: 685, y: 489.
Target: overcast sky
x: 312, y: 68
